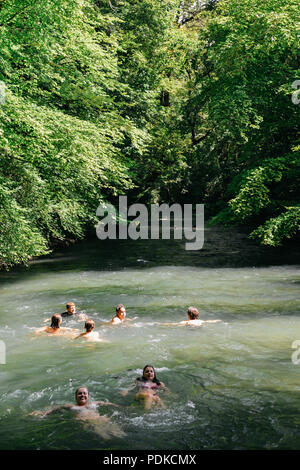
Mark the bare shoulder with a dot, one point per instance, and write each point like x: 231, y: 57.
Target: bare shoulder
x: 104, y: 403
x: 39, y: 330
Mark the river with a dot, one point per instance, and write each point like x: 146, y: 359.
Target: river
x: 233, y: 384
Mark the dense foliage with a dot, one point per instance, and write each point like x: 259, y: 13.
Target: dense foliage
x: 253, y: 63
x: 60, y: 126
x: 165, y: 100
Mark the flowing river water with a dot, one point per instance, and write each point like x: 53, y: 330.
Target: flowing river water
x: 233, y: 384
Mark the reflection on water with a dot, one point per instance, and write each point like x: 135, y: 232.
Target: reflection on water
x: 233, y: 384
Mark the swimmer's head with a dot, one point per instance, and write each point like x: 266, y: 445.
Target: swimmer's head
x: 70, y: 306
x: 89, y: 325
x: 82, y: 396
x: 193, y: 313
x: 56, y: 321
x: 149, y: 374
x: 121, y: 311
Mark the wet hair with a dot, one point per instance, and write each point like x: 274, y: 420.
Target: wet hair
x: 55, y: 320
x: 70, y: 304
x: 143, y: 379
x: 79, y: 389
x: 89, y: 325
x: 193, y: 313
x: 118, y: 307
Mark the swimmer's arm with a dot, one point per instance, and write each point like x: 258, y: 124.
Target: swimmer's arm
x: 57, y: 408
x: 70, y: 330
x: 79, y: 336
x: 131, y: 319
x: 106, y: 323
x: 182, y: 323
x: 163, y: 387
x: 39, y: 330
x: 106, y: 403
x: 47, y: 320
x: 186, y: 322
x: 129, y: 389
x: 43, y: 413
x: 211, y: 321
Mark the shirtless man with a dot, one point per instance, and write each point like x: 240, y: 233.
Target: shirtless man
x: 55, y: 328
x: 71, y: 311
x: 89, y: 334
x: 87, y: 412
x: 193, y: 319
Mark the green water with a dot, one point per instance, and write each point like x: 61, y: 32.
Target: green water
x: 233, y: 384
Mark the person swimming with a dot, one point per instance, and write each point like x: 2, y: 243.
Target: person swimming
x: 120, y: 316
x: 148, y: 386
x: 193, y: 319
x: 71, y: 312
x: 86, y: 412
x: 55, y: 327
x: 89, y: 334
x: 55, y: 324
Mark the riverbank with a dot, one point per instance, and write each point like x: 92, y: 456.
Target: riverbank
x: 289, y: 250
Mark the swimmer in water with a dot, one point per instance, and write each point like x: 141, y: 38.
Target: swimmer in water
x: 89, y: 334
x: 71, y: 312
x: 193, y: 319
x: 87, y: 413
x: 55, y: 328
x: 148, y: 386
x: 120, y: 316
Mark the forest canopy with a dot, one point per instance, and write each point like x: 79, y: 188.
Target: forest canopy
x: 162, y: 100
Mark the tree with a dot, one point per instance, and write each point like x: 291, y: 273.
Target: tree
x: 249, y: 50
x: 60, y: 127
